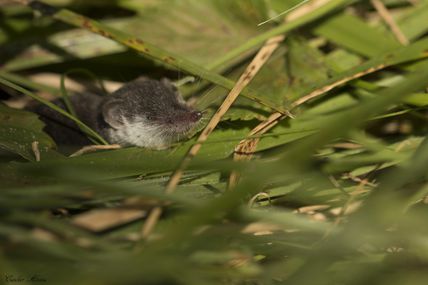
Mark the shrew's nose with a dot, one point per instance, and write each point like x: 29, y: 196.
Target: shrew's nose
x: 196, y: 116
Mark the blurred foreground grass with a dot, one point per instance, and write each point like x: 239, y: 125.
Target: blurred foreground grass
x: 335, y: 195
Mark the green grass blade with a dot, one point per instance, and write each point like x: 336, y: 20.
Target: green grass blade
x: 54, y: 107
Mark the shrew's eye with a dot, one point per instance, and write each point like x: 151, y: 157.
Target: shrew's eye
x: 150, y: 118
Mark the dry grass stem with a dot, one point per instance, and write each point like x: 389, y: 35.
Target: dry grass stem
x: 36, y: 151
x: 333, y: 85
x: 389, y: 20
x: 92, y: 148
x: 258, y: 196
x: 246, y: 148
x: 259, y: 60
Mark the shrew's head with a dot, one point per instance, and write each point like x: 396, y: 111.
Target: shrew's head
x: 148, y: 113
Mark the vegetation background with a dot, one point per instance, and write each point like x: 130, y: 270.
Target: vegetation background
x: 329, y: 189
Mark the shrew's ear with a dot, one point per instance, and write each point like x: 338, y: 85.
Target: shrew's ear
x: 141, y: 79
x: 167, y: 83
x: 112, y: 113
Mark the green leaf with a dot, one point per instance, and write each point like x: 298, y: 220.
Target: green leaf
x: 417, y: 99
x: 413, y: 23
x: 19, y: 129
x: 355, y: 35
x: 415, y: 51
x: 133, y: 161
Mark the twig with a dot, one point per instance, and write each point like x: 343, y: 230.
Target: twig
x: 258, y: 61
x: 386, y: 16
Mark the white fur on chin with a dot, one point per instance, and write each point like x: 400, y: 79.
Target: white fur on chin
x: 141, y: 133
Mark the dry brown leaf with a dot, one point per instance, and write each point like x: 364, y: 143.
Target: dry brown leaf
x: 103, y: 219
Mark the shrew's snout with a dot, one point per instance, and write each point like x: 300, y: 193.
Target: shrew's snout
x: 196, y: 116
x: 189, y: 117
